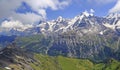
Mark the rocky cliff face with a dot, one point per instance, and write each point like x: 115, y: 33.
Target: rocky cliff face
x: 14, y: 58
x: 96, y: 47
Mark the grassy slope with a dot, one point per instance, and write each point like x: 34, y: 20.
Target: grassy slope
x: 45, y: 62
x: 64, y: 63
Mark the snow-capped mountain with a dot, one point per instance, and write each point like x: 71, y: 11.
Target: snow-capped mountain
x: 113, y: 21
x: 84, y: 36
x: 84, y: 23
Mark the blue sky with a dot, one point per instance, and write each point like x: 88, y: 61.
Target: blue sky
x: 32, y: 11
x: 77, y: 8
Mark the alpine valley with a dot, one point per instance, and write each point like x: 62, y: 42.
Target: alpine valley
x: 85, y: 42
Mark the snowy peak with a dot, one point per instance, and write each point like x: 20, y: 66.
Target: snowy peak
x: 113, y: 15
x: 90, y: 13
x: 85, y: 13
x: 62, y: 25
x: 59, y: 19
x: 113, y: 21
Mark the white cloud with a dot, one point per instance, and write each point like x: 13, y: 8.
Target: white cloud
x: 11, y: 24
x: 43, y: 13
x: 7, y: 25
x: 89, y: 13
x: 40, y: 6
x: 116, y: 8
x: 8, y: 7
x: 28, y: 18
x: 92, y: 11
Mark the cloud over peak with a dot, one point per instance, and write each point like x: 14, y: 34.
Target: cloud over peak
x: 38, y: 7
x: 8, y: 25
x: 116, y: 8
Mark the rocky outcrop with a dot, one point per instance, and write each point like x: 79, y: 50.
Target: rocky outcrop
x: 14, y: 58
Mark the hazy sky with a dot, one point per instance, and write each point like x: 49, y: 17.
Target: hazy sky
x: 32, y: 11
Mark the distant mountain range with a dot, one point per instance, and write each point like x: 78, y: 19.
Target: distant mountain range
x: 84, y: 23
x: 85, y: 36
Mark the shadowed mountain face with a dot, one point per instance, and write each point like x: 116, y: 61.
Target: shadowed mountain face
x: 71, y: 44
x: 5, y: 40
x: 14, y: 58
x: 90, y: 46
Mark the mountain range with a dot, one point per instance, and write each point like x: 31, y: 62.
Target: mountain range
x: 84, y: 23
x: 86, y: 42
x: 85, y: 36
